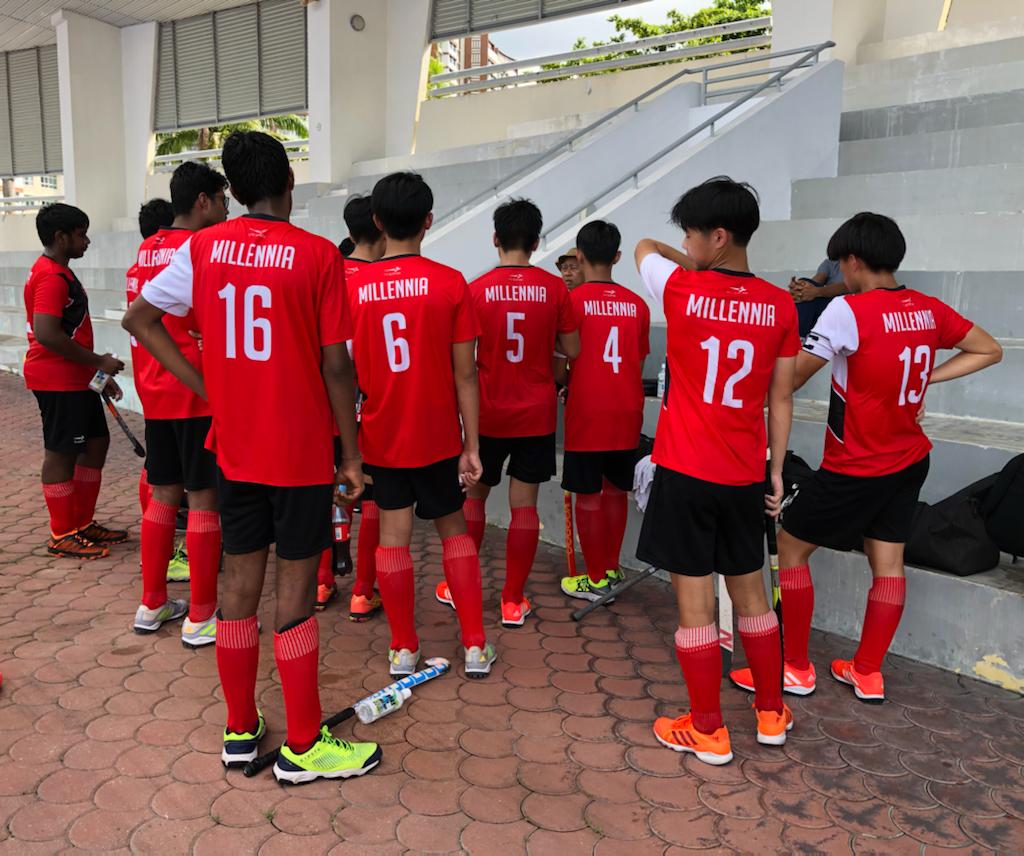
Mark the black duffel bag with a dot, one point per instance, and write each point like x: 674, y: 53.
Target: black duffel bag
x: 1003, y: 508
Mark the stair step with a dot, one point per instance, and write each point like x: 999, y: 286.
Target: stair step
x: 973, y: 56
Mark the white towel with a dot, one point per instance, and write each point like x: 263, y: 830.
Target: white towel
x: 643, y: 476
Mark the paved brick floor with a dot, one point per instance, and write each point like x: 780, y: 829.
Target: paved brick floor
x: 109, y: 741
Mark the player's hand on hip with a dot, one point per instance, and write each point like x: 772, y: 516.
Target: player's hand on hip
x: 470, y: 469
x: 773, y: 500
x: 195, y: 334
x: 349, y: 476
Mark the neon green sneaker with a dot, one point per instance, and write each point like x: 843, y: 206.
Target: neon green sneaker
x: 615, y: 577
x: 240, y: 749
x: 177, y: 568
x: 580, y: 586
x: 328, y: 758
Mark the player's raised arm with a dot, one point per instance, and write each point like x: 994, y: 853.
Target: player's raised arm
x: 978, y: 350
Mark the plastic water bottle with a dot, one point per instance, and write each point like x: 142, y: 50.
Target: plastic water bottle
x: 661, y: 381
x: 99, y: 380
x: 381, y: 704
x: 342, y: 542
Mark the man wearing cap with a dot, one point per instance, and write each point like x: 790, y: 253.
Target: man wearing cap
x: 568, y: 265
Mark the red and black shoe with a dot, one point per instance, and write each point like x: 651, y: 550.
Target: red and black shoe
x: 102, y: 535
x: 74, y: 546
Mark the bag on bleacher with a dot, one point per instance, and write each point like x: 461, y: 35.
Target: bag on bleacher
x: 1003, y: 508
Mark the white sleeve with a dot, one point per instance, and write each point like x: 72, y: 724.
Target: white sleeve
x: 655, y: 271
x: 835, y: 334
x: 171, y: 289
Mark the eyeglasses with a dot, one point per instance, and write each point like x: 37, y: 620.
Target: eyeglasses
x: 569, y: 267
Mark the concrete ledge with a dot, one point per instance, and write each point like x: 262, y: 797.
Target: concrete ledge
x: 996, y: 144
x: 954, y: 37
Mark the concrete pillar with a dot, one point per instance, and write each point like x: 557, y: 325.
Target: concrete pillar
x: 138, y: 75
x: 408, y: 59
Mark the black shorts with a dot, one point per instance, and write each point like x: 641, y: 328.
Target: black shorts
x: 531, y: 459
x: 583, y: 472
x: 433, y: 489
x: 695, y: 527
x: 176, y: 453
x: 839, y: 511
x: 70, y: 419
x: 254, y: 516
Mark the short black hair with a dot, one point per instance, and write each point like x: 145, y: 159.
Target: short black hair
x: 873, y: 238
x: 189, y: 180
x: 347, y: 247
x: 256, y: 166
x: 599, y: 241
x: 359, y: 219
x: 517, y: 224
x: 155, y: 215
x: 722, y: 203
x: 59, y: 217
x: 401, y: 202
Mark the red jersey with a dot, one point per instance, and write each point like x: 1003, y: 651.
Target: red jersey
x: 163, y: 396
x: 267, y: 297
x: 521, y: 311
x: 407, y: 312
x: 882, y: 346
x: 605, y: 408
x: 53, y: 289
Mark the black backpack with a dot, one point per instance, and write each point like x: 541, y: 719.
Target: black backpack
x: 1003, y: 508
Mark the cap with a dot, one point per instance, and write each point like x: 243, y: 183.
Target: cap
x: 568, y: 254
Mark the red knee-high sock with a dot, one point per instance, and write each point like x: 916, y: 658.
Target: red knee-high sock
x: 87, y: 490
x: 398, y: 593
x: 238, y: 656
x: 325, y: 570
x: 60, y: 502
x: 760, y: 634
x: 366, y: 549
x: 797, y: 609
x: 462, y: 571
x: 700, y: 658
x: 614, y: 512
x: 520, y: 548
x: 881, y: 618
x: 202, y: 540
x: 157, y: 539
x: 590, y: 522
x: 145, y: 491
x: 297, y: 652
x: 473, y: 509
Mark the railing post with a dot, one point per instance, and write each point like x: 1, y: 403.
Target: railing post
x: 703, y: 87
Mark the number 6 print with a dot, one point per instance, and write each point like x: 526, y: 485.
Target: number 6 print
x: 397, y: 346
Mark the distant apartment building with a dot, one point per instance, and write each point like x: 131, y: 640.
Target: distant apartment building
x: 469, y: 52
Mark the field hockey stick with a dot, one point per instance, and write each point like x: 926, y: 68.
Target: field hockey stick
x: 136, y: 445
x: 570, y: 536
x: 773, y: 558
x: 726, y: 634
x: 435, y: 668
x: 584, y: 611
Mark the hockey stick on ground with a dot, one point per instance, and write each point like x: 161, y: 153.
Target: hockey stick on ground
x: 726, y: 634
x: 570, y: 536
x: 436, y: 667
x: 613, y: 593
x: 136, y: 445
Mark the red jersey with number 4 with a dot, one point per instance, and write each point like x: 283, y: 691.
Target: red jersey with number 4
x: 163, y: 396
x: 407, y: 312
x: 52, y: 289
x: 521, y: 311
x: 725, y: 332
x: 267, y: 297
x: 604, y: 411
x: 882, y: 346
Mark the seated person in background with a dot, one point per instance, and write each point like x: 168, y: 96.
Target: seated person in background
x: 813, y: 293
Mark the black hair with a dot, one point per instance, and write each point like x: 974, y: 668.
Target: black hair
x: 599, y: 242
x: 59, y: 217
x: 873, y: 238
x: 722, y: 203
x: 359, y: 219
x: 401, y: 202
x: 256, y: 166
x: 347, y: 247
x: 155, y: 215
x: 189, y: 180
x: 517, y: 224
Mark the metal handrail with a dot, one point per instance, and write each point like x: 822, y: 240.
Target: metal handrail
x: 296, y: 149
x: 566, y: 144
x: 14, y: 204
x: 809, y: 54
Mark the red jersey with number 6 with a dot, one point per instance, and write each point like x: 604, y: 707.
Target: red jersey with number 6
x: 521, y: 312
x: 605, y: 408
x: 407, y: 312
x: 882, y: 346
x: 268, y: 296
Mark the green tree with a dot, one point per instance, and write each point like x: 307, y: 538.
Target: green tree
x: 291, y: 126
x: 435, y: 66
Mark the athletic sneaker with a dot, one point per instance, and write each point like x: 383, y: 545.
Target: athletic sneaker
x: 514, y: 614
x: 581, y: 586
x: 196, y: 634
x: 361, y: 608
x: 150, y: 620
x: 177, y: 568
x: 615, y: 577
x: 102, y: 535
x: 869, y: 687
x: 443, y: 594
x: 325, y: 594
x: 403, y: 662
x: 479, y: 660
x: 795, y: 681
x: 240, y: 749
x: 680, y: 735
x: 73, y: 546
x: 772, y: 726
x: 328, y: 758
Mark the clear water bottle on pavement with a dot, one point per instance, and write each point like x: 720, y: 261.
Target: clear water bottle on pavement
x: 381, y: 704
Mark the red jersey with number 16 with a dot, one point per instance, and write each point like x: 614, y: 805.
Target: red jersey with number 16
x: 605, y: 408
x: 407, y: 312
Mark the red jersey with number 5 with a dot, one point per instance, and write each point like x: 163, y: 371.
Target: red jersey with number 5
x: 605, y: 408
x: 267, y: 296
x: 407, y: 312
x: 882, y: 346
x: 521, y: 312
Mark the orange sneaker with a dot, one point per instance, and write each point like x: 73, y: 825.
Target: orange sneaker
x: 869, y: 687
x: 514, y: 614
x: 680, y: 735
x: 325, y: 594
x: 102, y: 535
x: 73, y: 546
x: 361, y: 608
x: 795, y: 681
x: 772, y: 726
x: 443, y: 595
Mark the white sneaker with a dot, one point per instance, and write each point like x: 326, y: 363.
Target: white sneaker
x: 479, y: 660
x: 150, y: 620
x: 199, y: 633
x: 403, y: 662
